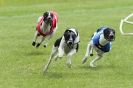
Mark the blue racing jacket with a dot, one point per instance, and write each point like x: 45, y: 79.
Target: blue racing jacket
x: 96, y: 38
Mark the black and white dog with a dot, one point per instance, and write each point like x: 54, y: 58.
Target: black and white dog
x: 68, y: 45
x: 46, y: 27
x: 101, y: 43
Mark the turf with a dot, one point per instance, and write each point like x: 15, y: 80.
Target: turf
x: 21, y: 64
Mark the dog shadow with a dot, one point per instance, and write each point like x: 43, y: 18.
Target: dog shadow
x: 34, y: 53
x: 55, y: 75
x: 100, y: 67
x: 58, y: 75
x: 84, y: 70
x: 88, y: 68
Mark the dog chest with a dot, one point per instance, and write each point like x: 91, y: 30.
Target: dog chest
x: 66, y: 49
x: 45, y: 28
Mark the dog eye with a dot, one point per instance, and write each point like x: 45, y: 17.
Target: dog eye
x: 45, y: 14
x: 67, y: 37
x: 73, y: 36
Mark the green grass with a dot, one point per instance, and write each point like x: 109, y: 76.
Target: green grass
x: 21, y: 64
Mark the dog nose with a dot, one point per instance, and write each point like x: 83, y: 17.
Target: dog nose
x: 70, y: 43
x: 111, y: 36
x: 49, y: 18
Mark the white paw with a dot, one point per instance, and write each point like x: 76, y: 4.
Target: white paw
x: 55, y: 58
x: 60, y: 55
x: 45, y: 69
x: 92, y: 65
x: 84, y: 60
x: 69, y: 64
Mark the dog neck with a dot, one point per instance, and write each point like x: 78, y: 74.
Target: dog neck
x: 102, y: 40
x: 45, y: 27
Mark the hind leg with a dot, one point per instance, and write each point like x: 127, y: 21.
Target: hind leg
x: 49, y: 38
x: 54, y: 52
x: 98, y: 57
x: 47, y: 41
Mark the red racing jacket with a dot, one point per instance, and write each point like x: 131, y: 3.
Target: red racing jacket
x: 53, y: 25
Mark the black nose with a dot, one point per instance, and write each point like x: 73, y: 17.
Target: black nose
x: 111, y: 37
x: 70, y: 43
x: 49, y: 18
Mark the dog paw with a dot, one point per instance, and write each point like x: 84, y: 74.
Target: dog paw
x: 45, y: 69
x: 84, y: 60
x: 45, y: 46
x: 55, y: 58
x: 33, y: 43
x: 60, y: 55
x: 91, y: 54
x: 69, y: 64
x: 92, y: 65
x: 37, y: 45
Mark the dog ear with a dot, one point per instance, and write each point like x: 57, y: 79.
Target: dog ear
x: 66, y: 32
x: 113, y: 31
x: 45, y: 14
x: 106, y: 33
x: 77, y: 33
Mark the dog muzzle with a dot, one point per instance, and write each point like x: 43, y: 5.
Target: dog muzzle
x: 111, y: 38
x: 70, y: 44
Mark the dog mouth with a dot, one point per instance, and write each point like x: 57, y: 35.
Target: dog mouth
x: 70, y: 44
x: 111, y: 38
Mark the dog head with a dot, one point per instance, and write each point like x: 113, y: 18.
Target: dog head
x: 109, y: 34
x: 70, y: 37
x: 48, y: 16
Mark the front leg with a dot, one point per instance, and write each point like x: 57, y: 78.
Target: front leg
x: 35, y: 38
x: 69, y: 56
x: 42, y: 39
x: 49, y: 38
x: 54, y: 52
x: 89, y: 52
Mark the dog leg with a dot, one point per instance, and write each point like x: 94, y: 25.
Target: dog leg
x: 69, y: 56
x: 38, y: 44
x: 89, y: 52
x: 46, y: 43
x: 56, y: 56
x: 35, y: 38
x: 54, y: 51
x: 69, y: 63
x: 98, y: 57
x: 49, y: 38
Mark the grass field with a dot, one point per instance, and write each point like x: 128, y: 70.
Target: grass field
x: 21, y: 64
